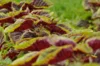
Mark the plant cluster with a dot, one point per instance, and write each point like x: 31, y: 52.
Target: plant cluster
x: 94, y: 7
x: 29, y: 36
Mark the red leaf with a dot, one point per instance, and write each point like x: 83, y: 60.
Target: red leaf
x: 12, y: 54
x: 40, y: 3
x: 62, y: 55
x: 94, y: 43
x: 28, y: 6
x: 65, y: 42
x: 21, y: 14
x: 55, y: 29
x: 27, y: 24
x: 38, y: 45
x: 6, y: 20
x: 30, y: 62
x: 7, y: 6
x: 0, y: 46
x: 26, y: 60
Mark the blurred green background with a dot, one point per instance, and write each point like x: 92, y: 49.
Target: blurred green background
x: 69, y: 9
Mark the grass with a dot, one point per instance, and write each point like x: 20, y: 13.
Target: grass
x: 69, y: 9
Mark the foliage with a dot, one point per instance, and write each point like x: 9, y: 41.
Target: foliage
x: 30, y: 36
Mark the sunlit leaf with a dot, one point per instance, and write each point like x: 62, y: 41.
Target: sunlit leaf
x: 27, y: 59
x: 12, y: 27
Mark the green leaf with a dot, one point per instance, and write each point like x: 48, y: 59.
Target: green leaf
x: 84, y: 48
x: 4, y: 62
